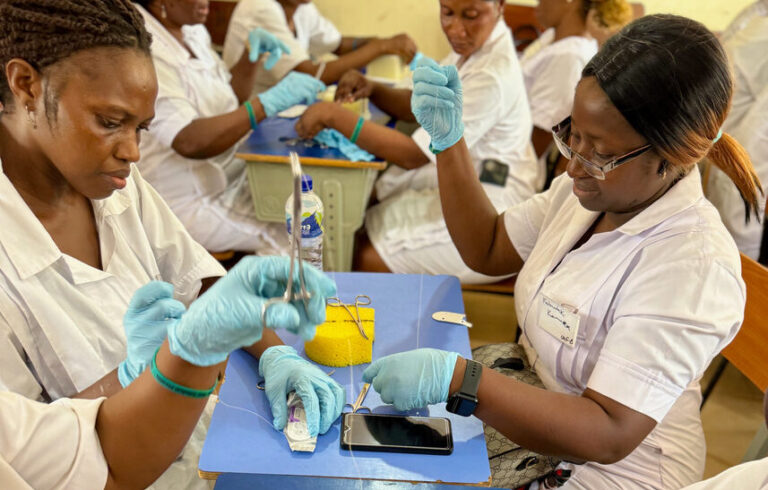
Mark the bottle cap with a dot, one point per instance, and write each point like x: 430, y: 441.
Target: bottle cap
x: 306, y: 183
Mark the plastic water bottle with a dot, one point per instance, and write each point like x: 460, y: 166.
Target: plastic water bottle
x: 311, y: 223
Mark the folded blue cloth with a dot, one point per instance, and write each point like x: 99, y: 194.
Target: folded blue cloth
x: 334, y: 139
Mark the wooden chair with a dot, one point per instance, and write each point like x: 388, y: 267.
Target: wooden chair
x: 749, y: 350
x: 491, y: 309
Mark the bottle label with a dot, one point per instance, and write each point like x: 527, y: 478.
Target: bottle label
x: 311, y: 224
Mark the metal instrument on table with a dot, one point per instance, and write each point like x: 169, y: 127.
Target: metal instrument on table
x: 360, y: 300
x: 358, y: 405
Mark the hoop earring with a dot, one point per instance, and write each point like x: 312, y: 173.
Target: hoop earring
x: 31, y: 117
x: 163, y: 12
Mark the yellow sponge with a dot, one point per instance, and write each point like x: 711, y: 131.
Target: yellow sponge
x: 338, y: 342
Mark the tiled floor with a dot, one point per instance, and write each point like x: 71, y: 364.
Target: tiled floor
x: 730, y: 417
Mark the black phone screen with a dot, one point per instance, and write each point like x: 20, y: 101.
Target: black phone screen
x: 396, y: 433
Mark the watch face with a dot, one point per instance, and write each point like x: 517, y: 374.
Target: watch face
x: 462, y: 405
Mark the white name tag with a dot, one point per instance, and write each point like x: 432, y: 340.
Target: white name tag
x: 560, y: 321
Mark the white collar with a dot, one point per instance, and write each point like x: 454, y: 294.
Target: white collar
x: 27, y: 243
x: 679, y: 197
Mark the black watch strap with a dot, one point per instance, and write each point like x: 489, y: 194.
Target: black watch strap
x: 471, y: 378
x: 464, y: 402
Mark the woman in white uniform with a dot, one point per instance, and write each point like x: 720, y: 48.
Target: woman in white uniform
x: 308, y: 35
x: 130, y: 438
x: 552, y: 64
x: 81, y: 229
x: 748, y: 123
x: 629, y: 283
x: 203, y: 111
x: 406, y: 229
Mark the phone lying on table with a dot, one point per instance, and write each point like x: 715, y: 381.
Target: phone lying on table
x: 396, y: 433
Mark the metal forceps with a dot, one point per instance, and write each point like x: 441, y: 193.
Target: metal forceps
x: 358, y: 405
x: 360, y: 300
x: 291, y: 295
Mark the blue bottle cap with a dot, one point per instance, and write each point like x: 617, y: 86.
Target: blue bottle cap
x: 306, y: 183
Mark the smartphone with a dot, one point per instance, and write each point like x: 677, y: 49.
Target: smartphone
x: 494, y: 172
x: 396, y: 433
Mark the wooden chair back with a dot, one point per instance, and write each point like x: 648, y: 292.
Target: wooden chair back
x: 749, y: 350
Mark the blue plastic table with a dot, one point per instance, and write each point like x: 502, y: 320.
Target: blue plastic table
x: 241, y: 438
x: 239, y: 481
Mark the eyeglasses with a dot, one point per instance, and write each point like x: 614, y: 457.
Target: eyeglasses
x: 562, y: 135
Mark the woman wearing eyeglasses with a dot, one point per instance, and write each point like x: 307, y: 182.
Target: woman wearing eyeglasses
x: 628, y: 284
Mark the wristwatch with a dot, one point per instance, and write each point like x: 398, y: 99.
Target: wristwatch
x: 464, y: 402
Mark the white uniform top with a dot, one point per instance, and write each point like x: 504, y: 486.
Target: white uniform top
x: 656, y: 300
x: 552, y: 69
x: 61, y: 325
x: 746, y: 50
x: 315, y: 36
x: 210, y: 196
x: 760, y: 7
x: 497, y: 125
x: 50, y: 446
x: 746, y: 476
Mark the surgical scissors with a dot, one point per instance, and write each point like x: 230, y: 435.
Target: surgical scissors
x: 360, y: 300
x: 358, y: 405
x: 290, y: 295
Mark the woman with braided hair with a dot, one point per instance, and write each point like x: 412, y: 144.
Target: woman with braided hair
x: 82, y: 230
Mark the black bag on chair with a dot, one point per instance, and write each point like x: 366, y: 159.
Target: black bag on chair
x: 512, y: 466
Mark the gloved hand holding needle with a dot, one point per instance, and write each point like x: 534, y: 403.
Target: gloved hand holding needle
x: 437, y: 102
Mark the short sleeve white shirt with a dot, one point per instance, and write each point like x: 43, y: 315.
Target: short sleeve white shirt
x: 315, y: 36
x: 751, y: 475
x: 189, y: 88
x: 656, y: 300
x: 551, y: 70
x: 497, y: 125
x: 50, y: 446
x: 61, y: 321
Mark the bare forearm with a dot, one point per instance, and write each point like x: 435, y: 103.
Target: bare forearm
x: 393, y: 146
x: 143, y: 428
x: 106, y: 386
x: 394, y: 101
x: 210, y: 136
x: 349, y: 44
x: 268, y: 339
x: 243, y: 77
x: 575, y: 428
x: 475, y: 227
x: 336, y: 68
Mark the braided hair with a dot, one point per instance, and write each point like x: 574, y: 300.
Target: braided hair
x: 44, y: 32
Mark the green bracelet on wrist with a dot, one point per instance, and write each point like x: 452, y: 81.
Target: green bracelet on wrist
x: 358, y: 127
x: 175, y: 387
x: 251, y: 115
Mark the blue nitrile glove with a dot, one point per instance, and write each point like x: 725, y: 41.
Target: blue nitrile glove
x: 415, y: 61
x: 334, y: 139
x: 412, y: 379
x: 228, y: 315
x: 295, y: 88
x: 261, y: 41
x: 285, y: 371
x: 436, y: 102
x: 151, y: 311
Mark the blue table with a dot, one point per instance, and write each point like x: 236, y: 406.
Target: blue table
x: 241, y: 438
x: 239, y: 481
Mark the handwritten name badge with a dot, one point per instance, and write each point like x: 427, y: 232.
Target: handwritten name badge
x: 560, y: 321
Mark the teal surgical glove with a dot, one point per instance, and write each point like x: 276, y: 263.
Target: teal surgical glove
x: 285, y: 371
x: 228, y: 315
x: 151, y: 311
x: 261, y: 41
x: 436, y: 102
x: 333, y: 139
x: 412, y: 379
x: 295, y: 88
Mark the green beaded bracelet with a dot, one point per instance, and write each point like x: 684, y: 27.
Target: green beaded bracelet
x: 358, y: 127
x: 174, y: 387
x: 251, y: 115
